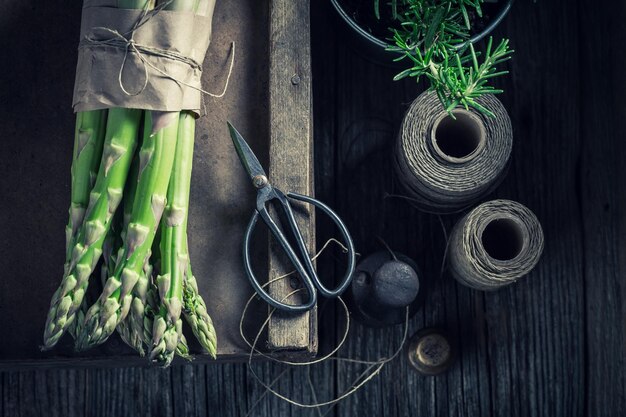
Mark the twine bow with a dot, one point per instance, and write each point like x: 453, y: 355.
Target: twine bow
x: 127, y: 42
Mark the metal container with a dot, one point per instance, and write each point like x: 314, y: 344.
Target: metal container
x: 378, y: 50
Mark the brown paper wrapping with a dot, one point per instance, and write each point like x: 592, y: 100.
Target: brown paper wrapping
x: 97, y: 83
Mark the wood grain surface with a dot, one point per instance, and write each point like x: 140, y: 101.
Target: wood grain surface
x: 603, y: 198
x: 551, y: 345
x: 291, y: 157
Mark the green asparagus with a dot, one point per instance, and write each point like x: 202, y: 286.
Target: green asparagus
x: 167, y: 327
x: 119, y: 146
x: 88, y: 141
x: 149, y: 235
x: 156, y: 158
x: 125, y: 328
x: 194, y: 307
x: 196, y: 315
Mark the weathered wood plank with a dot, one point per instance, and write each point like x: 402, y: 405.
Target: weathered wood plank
x: 534, y: 325
x: 10, y: 396
x: 36, y: 393
x: 291, y: 154
x: 226, y: 390
x: 129, y: 392
x: 324, y: 54
x: 603, y: 196
x: 53, y: 393
x: 189, y: 391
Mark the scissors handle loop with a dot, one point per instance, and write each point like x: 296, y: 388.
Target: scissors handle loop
x: 303, y: 264
x: 309, y: 288
x: 347, y: 278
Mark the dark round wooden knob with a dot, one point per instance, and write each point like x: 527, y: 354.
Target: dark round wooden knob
x: 395, y: 284
x: 382, y: 289
x: 430, y: 351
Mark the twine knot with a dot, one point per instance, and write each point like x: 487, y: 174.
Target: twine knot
x: 127, y: 42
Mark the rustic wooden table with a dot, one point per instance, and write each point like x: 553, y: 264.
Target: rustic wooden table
x: 551, y: 345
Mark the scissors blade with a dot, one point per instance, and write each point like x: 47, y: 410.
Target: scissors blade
x: 246, y: 156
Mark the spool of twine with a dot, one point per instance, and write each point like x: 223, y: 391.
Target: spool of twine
x: 494, y: 245
x: 446, y: 164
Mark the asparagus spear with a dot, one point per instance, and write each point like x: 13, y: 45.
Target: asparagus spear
x: 167, y: 327
x: 136, y: 329
x: 108, y: 255
x: 196, y: 315
x: 150, y: 312
x: 88, y: 141
x: 128, y: 328
x: 113, y: 246
x: 176, y: 267
x: 194, y: 307
x: 132, y: 326
x: 156, y: 159
x: 119, y: 146
x: 125, y: 329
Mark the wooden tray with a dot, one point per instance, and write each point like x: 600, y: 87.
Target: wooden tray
x: 268, y: 100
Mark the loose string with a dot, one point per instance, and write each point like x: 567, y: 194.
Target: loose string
x: 127, y: 43
x: 376, y: 365
x: 252, y: 345
x: 357, y: 384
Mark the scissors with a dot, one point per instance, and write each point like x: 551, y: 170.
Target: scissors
x: 299, y: 257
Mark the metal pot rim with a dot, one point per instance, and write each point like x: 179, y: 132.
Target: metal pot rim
x: 384, y: 45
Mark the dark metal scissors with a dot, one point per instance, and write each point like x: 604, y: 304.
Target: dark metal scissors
x: 299, y: 257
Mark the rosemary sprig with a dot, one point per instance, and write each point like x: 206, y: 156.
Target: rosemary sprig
x: 433, y: 36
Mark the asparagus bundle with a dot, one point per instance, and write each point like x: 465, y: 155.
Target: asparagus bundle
x: 119, y: 146
x: 131, y: 175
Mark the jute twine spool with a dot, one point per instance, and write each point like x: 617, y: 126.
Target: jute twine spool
x: 447, y: 164
x: 494, y: 245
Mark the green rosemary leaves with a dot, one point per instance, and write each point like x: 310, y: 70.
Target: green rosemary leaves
x: 433, y: 35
